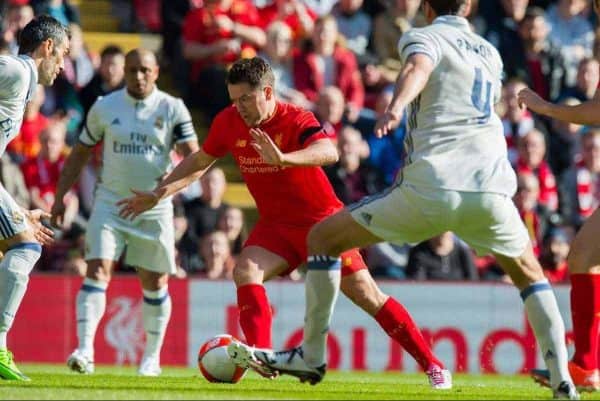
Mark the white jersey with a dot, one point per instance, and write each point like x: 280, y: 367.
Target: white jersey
x: 138, y: 136
x: 455, y: 139
x: 18, y: 82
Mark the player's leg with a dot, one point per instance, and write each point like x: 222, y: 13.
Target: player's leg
x: 21, y: 252
x: 491, y: 224
x: 156, y: 313
x: 90, y: 307
x: 394, y: 319
x: 584, y: 266
x: 263, y: 257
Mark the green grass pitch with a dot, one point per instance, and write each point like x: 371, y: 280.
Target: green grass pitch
x: 52, y: 382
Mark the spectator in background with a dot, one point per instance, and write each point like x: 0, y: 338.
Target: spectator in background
x: 42, y: 172
x: 580, y: 186
x: 517, y: 121
x: 320, y: 7
x: 278, y: 53
x: 12, y: 180
x: 375, y: 79
x: 563, y: 143
x: 202, y: 212
x: 588, y: 78
x: 537, y: 217
x: 324, y: 63
x: 553, y: 258
x: 502, y: 31
x: 27, y: 143
x: 572, y: 33
x: 79, y: 65
x: 62, y: 10
x: 353, y: 24
x: 536, y: 61
x: 329, y: 109
x: 443, y: 257
x: 110, y: 77
x: 215, y: 260
x: 17, y: 16
x: 352, y: 178
x: 388, y: 28
x: 214, y: 36
x: 231, y: 222
x: 531, y: 159
x: 293, y: 13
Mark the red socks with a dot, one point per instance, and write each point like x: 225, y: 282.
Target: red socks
x: 585, y: 308
x: 398, y: 324
x: 255, y: 315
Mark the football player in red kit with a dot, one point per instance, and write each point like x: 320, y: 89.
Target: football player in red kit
x: 280, y: 149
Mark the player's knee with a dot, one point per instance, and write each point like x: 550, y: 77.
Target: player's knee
x: 317, y: 242
x: 246, y: 272
x: 98, y: 272
x: 363, y: 292
x: 20, y: 258
x: 581, y: 260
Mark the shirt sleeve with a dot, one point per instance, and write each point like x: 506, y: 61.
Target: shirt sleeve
x: 183, y: 128
x: 416, y: 41
x: 309, y: 129
x: 93, y: 129
x: 215, y: 143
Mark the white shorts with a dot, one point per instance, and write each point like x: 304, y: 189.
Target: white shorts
x: 12, y: 218
x: 150, y: 242
x: 488, y: 222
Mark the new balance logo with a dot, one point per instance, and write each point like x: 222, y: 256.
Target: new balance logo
x: 241, y: 143
x: 116, y: 121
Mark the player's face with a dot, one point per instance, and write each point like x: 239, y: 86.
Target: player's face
x: 141, y: 73
x: 53, y: 62
x: 251, y: 103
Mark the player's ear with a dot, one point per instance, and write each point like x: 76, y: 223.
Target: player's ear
x: 268, y: 92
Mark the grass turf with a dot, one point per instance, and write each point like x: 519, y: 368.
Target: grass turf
x: 51, y: 382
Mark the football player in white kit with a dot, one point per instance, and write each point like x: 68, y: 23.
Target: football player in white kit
x: 43, y: 44
x: 139, y: 126
x: 457, y: 178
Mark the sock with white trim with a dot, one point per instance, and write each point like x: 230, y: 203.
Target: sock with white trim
x: 156, y: 312
x: 322, y: 288
x: 548, y: 326
x: 91, y: 303
x: 15, y: 267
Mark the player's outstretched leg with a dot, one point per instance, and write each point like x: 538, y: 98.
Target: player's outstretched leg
x: 358, y: 285
x: 15, y: 267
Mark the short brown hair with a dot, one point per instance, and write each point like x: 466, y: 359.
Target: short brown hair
x: 252, y: 71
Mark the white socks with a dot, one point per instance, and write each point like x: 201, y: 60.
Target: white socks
x: 14, y: 276
x: 91, y: 303
x: 156, y: 312
x: 322, y: 288
x: 546, y: 321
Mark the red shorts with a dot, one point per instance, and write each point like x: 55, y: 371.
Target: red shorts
x: 290, y: 243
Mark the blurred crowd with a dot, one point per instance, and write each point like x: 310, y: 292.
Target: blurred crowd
x: 338, y: 58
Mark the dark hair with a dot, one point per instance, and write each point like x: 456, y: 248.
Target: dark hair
x: 111, y: 50
x: 252, y: 71
x: 447, y: 7
x: 39, y: 30
x: 534, y: 12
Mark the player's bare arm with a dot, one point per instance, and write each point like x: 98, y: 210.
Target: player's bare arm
x: 410, y: 83
x: 187, y: 148
x: 190, y: 169
x: 319, y: 153
x: 42, y: 234
x: 585, y: 113
x: 70, y: 173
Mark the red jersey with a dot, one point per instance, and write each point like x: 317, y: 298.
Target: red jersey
x: 299, y: 196
x: 270, y: 14
x: 42, y: 174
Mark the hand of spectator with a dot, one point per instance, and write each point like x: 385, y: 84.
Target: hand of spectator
x: 224, y: 22
x: 228, y: 46
x: 387, y: 122
x: 57, y: 213
x: 42, y: 234
x: 529, y: 99
x: 137, y: 204
x: 266, y: 148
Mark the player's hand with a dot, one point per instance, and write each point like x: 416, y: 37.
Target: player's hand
x: 266, y: 148
x: 57, y: 213
x: 529, y: 99
x: 224, y: 22
x: 386, y: 123
x: 137, y: 204
x: 42, y: 234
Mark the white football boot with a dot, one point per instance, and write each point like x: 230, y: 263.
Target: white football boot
x: 150, y: 366
x: 80, y: 363
x: 439, y: 379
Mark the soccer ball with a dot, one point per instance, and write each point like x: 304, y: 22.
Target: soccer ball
x: 215, y: 364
